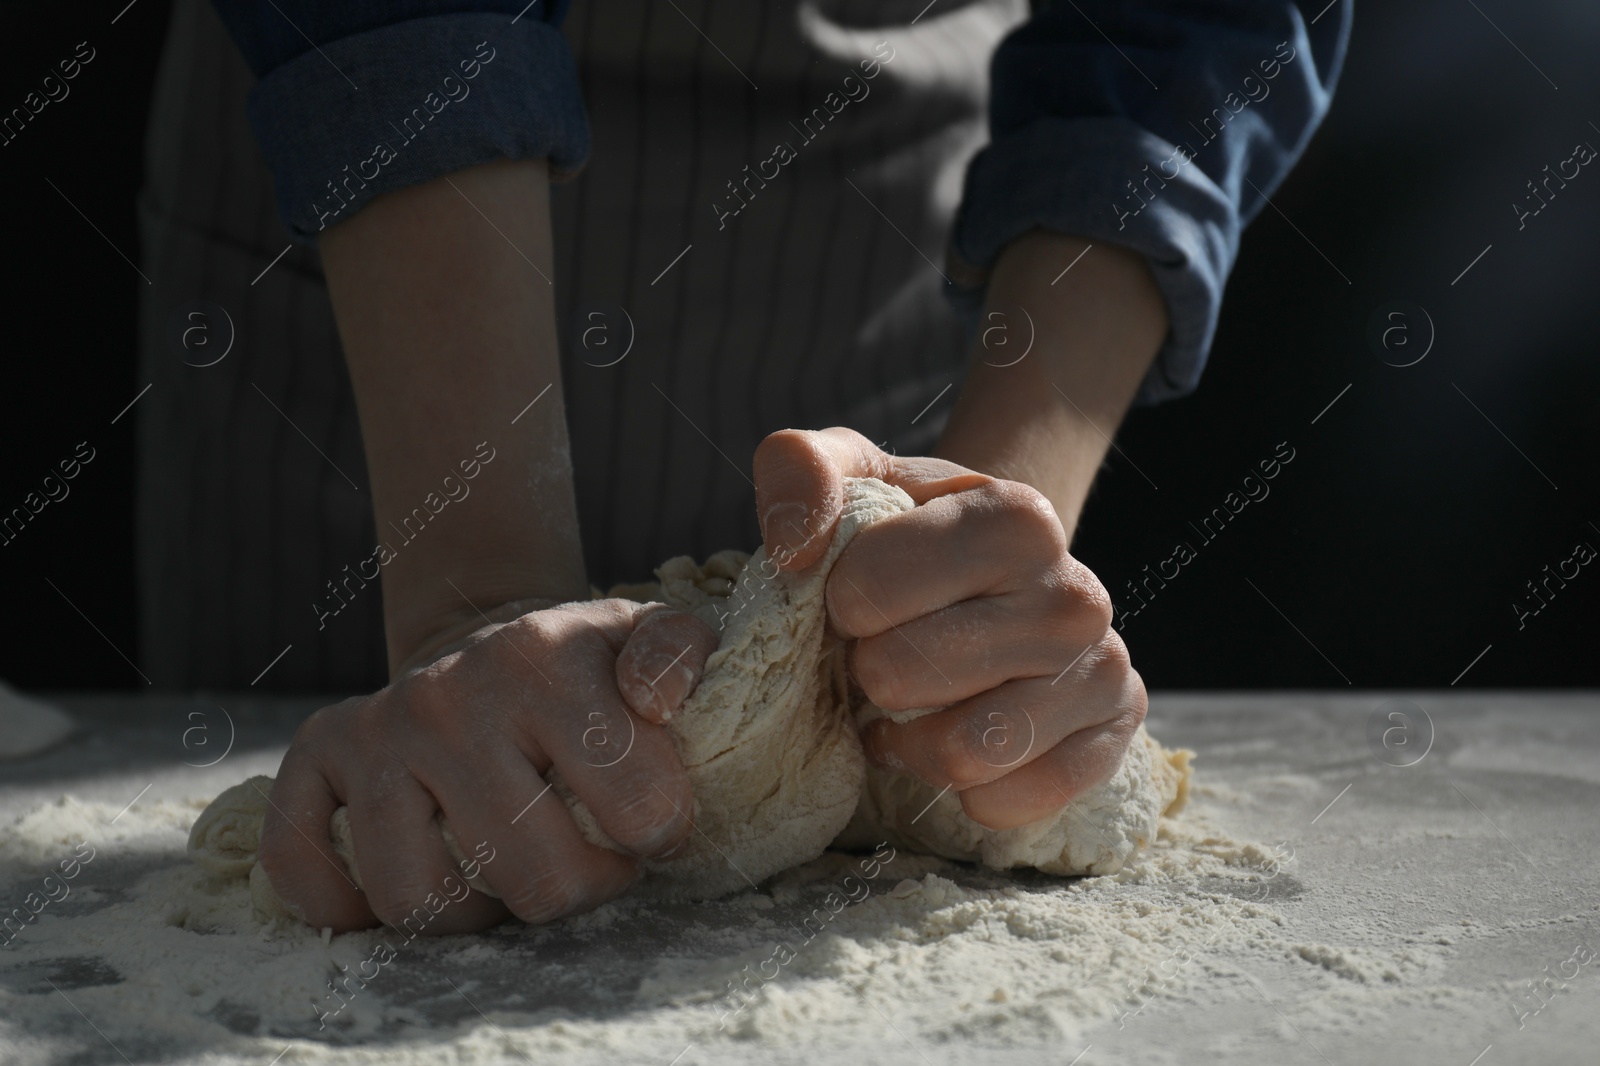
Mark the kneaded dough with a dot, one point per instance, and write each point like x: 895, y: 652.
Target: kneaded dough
x: 769, y: 741
x: 1095, y: 833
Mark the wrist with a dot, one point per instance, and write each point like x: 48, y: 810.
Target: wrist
x: 1047, y: 417
x: 514, y: 545
x: 448, y: 329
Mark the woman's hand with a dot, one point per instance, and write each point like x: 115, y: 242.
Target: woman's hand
x: 970, y: 600
x: 582, y: 687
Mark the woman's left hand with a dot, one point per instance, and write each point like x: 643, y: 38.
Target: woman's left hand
x: 969, y: 602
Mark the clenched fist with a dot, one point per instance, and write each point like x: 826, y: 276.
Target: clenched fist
x: 581, y: 687
x: 971, y: 603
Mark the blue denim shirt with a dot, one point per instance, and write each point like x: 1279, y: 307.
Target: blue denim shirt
x: 397, y: 67
x: 1167, y: 142
x: 1161, y: 126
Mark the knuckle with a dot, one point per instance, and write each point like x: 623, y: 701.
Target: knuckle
x: 1078, y: 601
x: 427, y: 708
x: 1030, y: 515
x: 1114, y: 659
x: 324, y: 721
x: 1139, y: 706
x: 1097, y: 602
x: 1059, y: 623
x: 603, y: 625
x: 531, y: 635
x: 1137, y: 703
x: 1132, y: 700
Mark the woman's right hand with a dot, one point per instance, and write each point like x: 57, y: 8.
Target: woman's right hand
x: 581, y: 687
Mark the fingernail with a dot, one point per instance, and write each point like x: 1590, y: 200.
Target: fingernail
x: 783, y: 527
x: 654, y: 850
x: 872, y: 745
x: 671, y: 679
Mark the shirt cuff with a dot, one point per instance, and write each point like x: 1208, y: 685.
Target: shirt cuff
x: 1071, y: 176
x: 404, y: 104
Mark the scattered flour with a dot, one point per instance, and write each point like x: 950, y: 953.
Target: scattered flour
x: 166, y: 956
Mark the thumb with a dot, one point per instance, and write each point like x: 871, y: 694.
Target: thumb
x: 799, y: 476
x: 663, y: 660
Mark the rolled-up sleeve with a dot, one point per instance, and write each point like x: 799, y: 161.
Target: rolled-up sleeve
x: 1162, y: 127
x: 360, y: 98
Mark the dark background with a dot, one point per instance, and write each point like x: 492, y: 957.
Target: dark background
x: 1390, y: 550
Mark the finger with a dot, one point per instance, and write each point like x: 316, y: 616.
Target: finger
x: 493, y: 792
x: 297, y: 852
x: 540, y: 864
x: 961, y: 651
x: 1053, y: 781
x: 995, y: 537
x: 999, y: 731
x: 799, y: 476
x: 411, y: 882
x: 625, y: 769
x: 663, y: 661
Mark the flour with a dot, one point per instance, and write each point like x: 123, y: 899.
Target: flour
x: 1399, y: 925
x: 1012, y: 962
x: 162, y: 954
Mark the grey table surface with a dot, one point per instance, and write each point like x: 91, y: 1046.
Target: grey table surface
x: 1480, y: 811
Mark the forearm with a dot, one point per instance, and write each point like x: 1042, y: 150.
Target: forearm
x: 449, y: 330
x: 1047, y: 419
